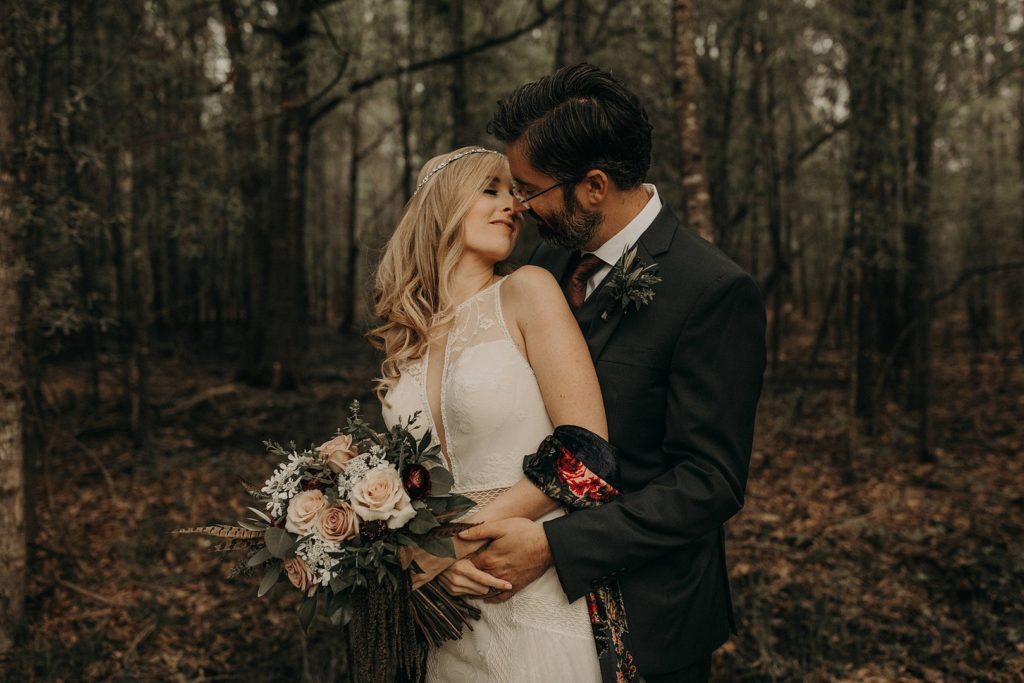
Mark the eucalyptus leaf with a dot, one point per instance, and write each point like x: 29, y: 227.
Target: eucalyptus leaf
x: 262, y: 515
x: 261, y: 556
x: 341, y: 583
x: 405, y: 540
x: 307, y: 610
x: 441, y: 547
x: 280, y: 543
x: 441, y: 481
x: 461, y: 502
x: 269, y: 579
x: 425, y: 441
x: 423, y: 522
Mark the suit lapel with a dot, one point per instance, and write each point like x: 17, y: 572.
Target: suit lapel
x: 609, y: 313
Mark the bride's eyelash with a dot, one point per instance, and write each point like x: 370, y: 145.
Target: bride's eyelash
x: 492, y: 191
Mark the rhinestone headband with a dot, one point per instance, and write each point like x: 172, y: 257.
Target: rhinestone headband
x: 456, y: 157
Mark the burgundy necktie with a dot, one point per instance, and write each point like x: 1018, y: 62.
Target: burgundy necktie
x: 585, y: 269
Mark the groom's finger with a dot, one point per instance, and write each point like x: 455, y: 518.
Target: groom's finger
x: 482, y: 532
x: 500, y: 597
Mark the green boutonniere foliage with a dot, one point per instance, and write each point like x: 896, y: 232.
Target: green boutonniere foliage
x: 631, y: 281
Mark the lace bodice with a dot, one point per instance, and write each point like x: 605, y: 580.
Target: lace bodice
x: 491, y: 415
x: 492, y: 412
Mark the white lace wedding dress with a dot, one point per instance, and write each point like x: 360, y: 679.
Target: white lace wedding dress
x: 492, y: 414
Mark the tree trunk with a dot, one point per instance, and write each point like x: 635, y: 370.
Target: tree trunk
x: 253, y: 178
x: 719, y: 182
x: 461, y: 133
x: 872, y: 179
x: 13, y: 553
x: 687, y: 92
x: 915, y: 229
x: 570, y: 47
x: 284, y: 318
x: 275, y: 256
x: 134, y: 296
x: 350, y: 292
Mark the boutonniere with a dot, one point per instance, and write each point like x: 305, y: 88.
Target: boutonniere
x: 631, y: 281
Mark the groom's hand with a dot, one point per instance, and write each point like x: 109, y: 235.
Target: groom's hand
x: 518, y: 552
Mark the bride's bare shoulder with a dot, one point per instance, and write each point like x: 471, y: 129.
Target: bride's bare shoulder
x: 532, y: 291
x: 531, y: 281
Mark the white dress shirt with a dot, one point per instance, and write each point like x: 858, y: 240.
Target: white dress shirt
x: 611, y: 251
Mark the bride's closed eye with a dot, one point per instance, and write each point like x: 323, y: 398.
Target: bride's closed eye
x: 491, y: 191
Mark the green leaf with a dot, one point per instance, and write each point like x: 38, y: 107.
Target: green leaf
x: 307, y: 610
x: 341, y: 583
x: 441, y: 547
x: 261, y: 556
x: 337, y: 602
x: 437, y: 505
x: 423, y: 522
x: 460, y: 502
x: 425, y: 441
x: 269, y: 579
x: 405, y: 540
x: 441, y: 481
x: 280, y: 543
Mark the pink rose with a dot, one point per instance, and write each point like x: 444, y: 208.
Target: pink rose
x: 299, y: 573
x: 302, y: 511
x: 337, y: 523
x: 338, y: 451
x: 381, y: 496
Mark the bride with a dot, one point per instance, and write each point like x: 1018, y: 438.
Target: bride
x: 491, y: 363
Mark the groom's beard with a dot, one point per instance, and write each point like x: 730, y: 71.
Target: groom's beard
x: 571, y: 228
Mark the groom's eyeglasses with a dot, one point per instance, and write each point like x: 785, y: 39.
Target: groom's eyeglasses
x: 525, y: 200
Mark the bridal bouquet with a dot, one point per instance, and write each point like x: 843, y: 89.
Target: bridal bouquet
x: 331, y: 522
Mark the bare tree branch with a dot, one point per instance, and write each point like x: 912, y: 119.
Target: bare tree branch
x: 387, y: 74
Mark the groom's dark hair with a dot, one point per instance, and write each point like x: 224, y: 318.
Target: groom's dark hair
x: 576, y: 119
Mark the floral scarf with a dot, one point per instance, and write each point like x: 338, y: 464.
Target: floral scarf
x: 577, y: 468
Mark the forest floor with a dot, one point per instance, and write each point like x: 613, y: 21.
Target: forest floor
x: 870, y: 568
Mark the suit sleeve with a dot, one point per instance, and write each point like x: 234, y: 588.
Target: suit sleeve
x: 715, y: 382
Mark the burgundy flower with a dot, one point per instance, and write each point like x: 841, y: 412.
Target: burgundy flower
x: 581, y: 481
x: 374, y: 530
x: 417, y: 481
x: 317, y: 484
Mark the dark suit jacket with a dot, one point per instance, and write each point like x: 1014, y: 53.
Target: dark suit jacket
x: 681, y: 379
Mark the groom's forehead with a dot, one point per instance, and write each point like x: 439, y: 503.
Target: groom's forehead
x: 523, y: 172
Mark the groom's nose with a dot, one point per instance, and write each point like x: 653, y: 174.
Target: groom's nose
x: 518, y: 207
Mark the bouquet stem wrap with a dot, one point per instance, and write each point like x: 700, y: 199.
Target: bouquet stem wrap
x: 579, y: 469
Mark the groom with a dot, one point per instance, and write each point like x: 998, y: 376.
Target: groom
x: 680, y: 377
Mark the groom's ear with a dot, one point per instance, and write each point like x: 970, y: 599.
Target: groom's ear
x: 595, y: 187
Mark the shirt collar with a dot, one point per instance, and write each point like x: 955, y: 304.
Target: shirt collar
x: 611, y: 251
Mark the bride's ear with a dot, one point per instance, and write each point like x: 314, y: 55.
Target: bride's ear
x: 595, y: 186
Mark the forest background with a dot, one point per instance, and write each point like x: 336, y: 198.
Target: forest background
x: 193, y: 195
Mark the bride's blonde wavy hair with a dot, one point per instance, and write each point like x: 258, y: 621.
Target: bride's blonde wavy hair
x: 412, y: 291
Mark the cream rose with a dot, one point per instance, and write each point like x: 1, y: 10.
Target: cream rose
x: 299, y: 573
x: 338, y: 451
x: 302, y: 511
x: 337, y: 523
x: 380, y: 496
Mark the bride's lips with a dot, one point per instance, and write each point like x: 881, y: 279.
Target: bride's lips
x: 507, y: 224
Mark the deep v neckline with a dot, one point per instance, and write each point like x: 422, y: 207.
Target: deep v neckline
x: 439, y: 423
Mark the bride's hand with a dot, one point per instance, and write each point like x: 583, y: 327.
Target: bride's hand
x: 463, y: 578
